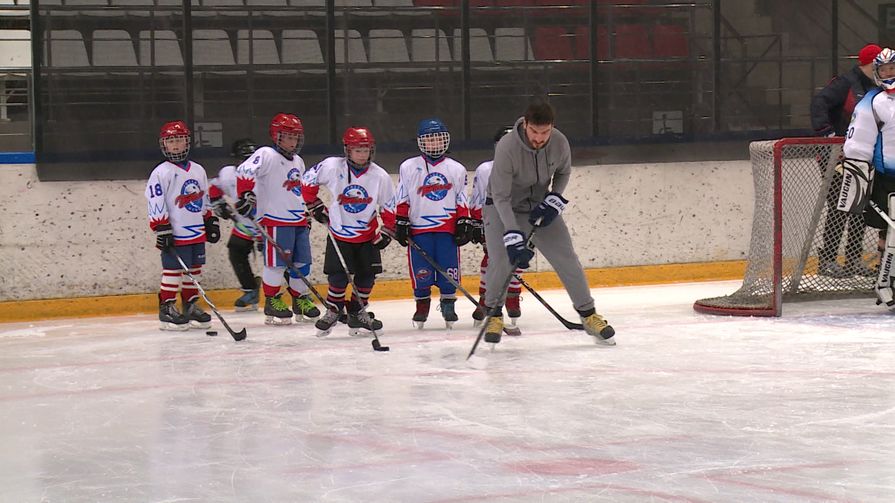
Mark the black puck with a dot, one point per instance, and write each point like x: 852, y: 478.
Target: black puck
x: 211, y: 333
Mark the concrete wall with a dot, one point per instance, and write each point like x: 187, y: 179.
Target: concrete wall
x: 74, y: 239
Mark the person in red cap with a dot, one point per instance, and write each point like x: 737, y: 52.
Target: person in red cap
x: 831, y: 111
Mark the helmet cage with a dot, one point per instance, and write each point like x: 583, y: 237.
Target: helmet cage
x: 175, y: 156
x: 278, y: 140
x: 885, y: 57
x: 434, y: 145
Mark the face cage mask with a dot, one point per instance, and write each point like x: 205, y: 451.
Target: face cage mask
x: 441, y: 139
x: 179, y: 157
x: 298, y: 145
x: 359, y: 167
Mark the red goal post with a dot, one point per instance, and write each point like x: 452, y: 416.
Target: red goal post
x: 796, y: 183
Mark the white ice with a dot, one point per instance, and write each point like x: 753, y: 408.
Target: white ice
x: 687, y: 407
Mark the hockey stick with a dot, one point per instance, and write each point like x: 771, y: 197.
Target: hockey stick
x: 256, y: 227
x: 882, y: 214
x: 377, y: 346
x: 495, y: 311
x: 237, y: 336
x: 566, y: 323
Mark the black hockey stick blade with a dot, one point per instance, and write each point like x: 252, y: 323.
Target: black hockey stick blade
x: 566, y: 323
x: 377, y: 346
x: 237, y: 336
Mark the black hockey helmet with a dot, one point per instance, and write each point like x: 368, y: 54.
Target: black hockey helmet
x: 501, y: 132
x: 243, y: 148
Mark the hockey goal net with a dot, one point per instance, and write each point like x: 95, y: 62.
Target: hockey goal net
x: 800, y: 248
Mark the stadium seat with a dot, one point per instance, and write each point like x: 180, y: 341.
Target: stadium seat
x: 354, y: 48
x: 256, y: 47
x: 582, y: 42
x: 393, y: 3
x: 552, y: 42
x: 426, y: 42
x: 266, y: 3
x: 511, y: 44
x: 160, y: 48
x: 479, y: 45
x: 632, y: 42
x: 388, y: 46
x: 301, y: 47
x: 670, y: 41
x: 86, y: 3
x: 113, y: 48
x: 212, y: 47
x: 354, y: 3
x: 66, y: 49
x: 15, y: 49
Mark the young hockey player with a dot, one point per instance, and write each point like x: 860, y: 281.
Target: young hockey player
x: 432, y: 211
x: 476, y: 202
x: 180, y: 215
x: 532, y: 166
x: 868, y: 163
x: 360, y: 190
x: 241, y: 242
x: 269, y: 184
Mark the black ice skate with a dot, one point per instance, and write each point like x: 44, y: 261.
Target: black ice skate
x: 170, y: 318
x: 198, y: 318
x: 494, y: 329
x: 304, y: 308
x: 361, y: 322
x: 247, y: 302
x: 422, y: 312
x: 448, y: 312
x: 325, y: 324
x: 276, y: 311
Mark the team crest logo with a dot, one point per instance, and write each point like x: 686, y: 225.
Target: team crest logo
x: 422, y: 274
x: 190, y: 197
x: 435, y: 187
x: 293, y: 182
x: 354, y: 199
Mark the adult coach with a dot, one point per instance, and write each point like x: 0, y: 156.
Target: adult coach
x: 532, y: 166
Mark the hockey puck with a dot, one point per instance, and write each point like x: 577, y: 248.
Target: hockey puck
x: 212, y: 333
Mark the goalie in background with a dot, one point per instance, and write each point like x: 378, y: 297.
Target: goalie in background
x: 870, y: 136
x: 831, y: 110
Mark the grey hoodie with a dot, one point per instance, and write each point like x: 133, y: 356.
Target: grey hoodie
x: 522, y: 176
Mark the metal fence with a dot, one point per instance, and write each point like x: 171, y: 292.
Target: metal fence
x: 109, y: 72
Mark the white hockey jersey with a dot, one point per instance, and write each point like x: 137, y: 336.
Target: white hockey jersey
x: 225, y: 185
x: 480, y: 189
x: 357, y: 198
x: 871, y: 134
x: 432, y: 196
x: 276, y: 182
x: 179, y: 196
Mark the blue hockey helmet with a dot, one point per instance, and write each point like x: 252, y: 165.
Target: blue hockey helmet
x: 885, y: 57
x: 432, y: 137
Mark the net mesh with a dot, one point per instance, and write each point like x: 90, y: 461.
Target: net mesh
x: 823, y: 252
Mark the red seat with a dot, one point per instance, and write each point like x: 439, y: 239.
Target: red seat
x: 552, y: 42
x: 582, y: 42
x: 670, y: 41
x: 632, y: 42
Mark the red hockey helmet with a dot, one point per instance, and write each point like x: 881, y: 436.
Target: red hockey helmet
x: 287, y: 124
x: 172, y: 150
x: 358, y: 137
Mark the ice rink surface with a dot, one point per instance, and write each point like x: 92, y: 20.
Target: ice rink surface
x: 688, y: 407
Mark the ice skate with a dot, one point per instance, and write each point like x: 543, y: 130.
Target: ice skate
x: 422, y: 312
x: 171, y: 319
x: 197, y: 317
x: 361, y: 322
x: 832, y: 269
x: 448, y: 312
x: 479, y: 314
x: 304, y: 309
x: 276, y: 312
x: 247, y: 302
x: 858, y: 268
x: 494, y: 329
x: 513, y: 312
x: 325, y: 324
x: 599, y: 329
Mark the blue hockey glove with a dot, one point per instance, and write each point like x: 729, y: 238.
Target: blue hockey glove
x: 520, y: 254
x: 547, y: 210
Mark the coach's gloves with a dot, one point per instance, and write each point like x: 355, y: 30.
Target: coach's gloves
x: 164, y: 237
x: 212, y: 230
x: 220, y: 208
x: 520, y: 254
x: 463, y: 231
x: 318, y: 211
x: 857, y: 176
x: 246, y: 203
x: 547, y: 210
x: 477, y: 234
x: 381, y: 241
x: 402, y: 230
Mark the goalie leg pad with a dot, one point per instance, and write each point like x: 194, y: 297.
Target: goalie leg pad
x: 884, y: 293
x: 857, y: 176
